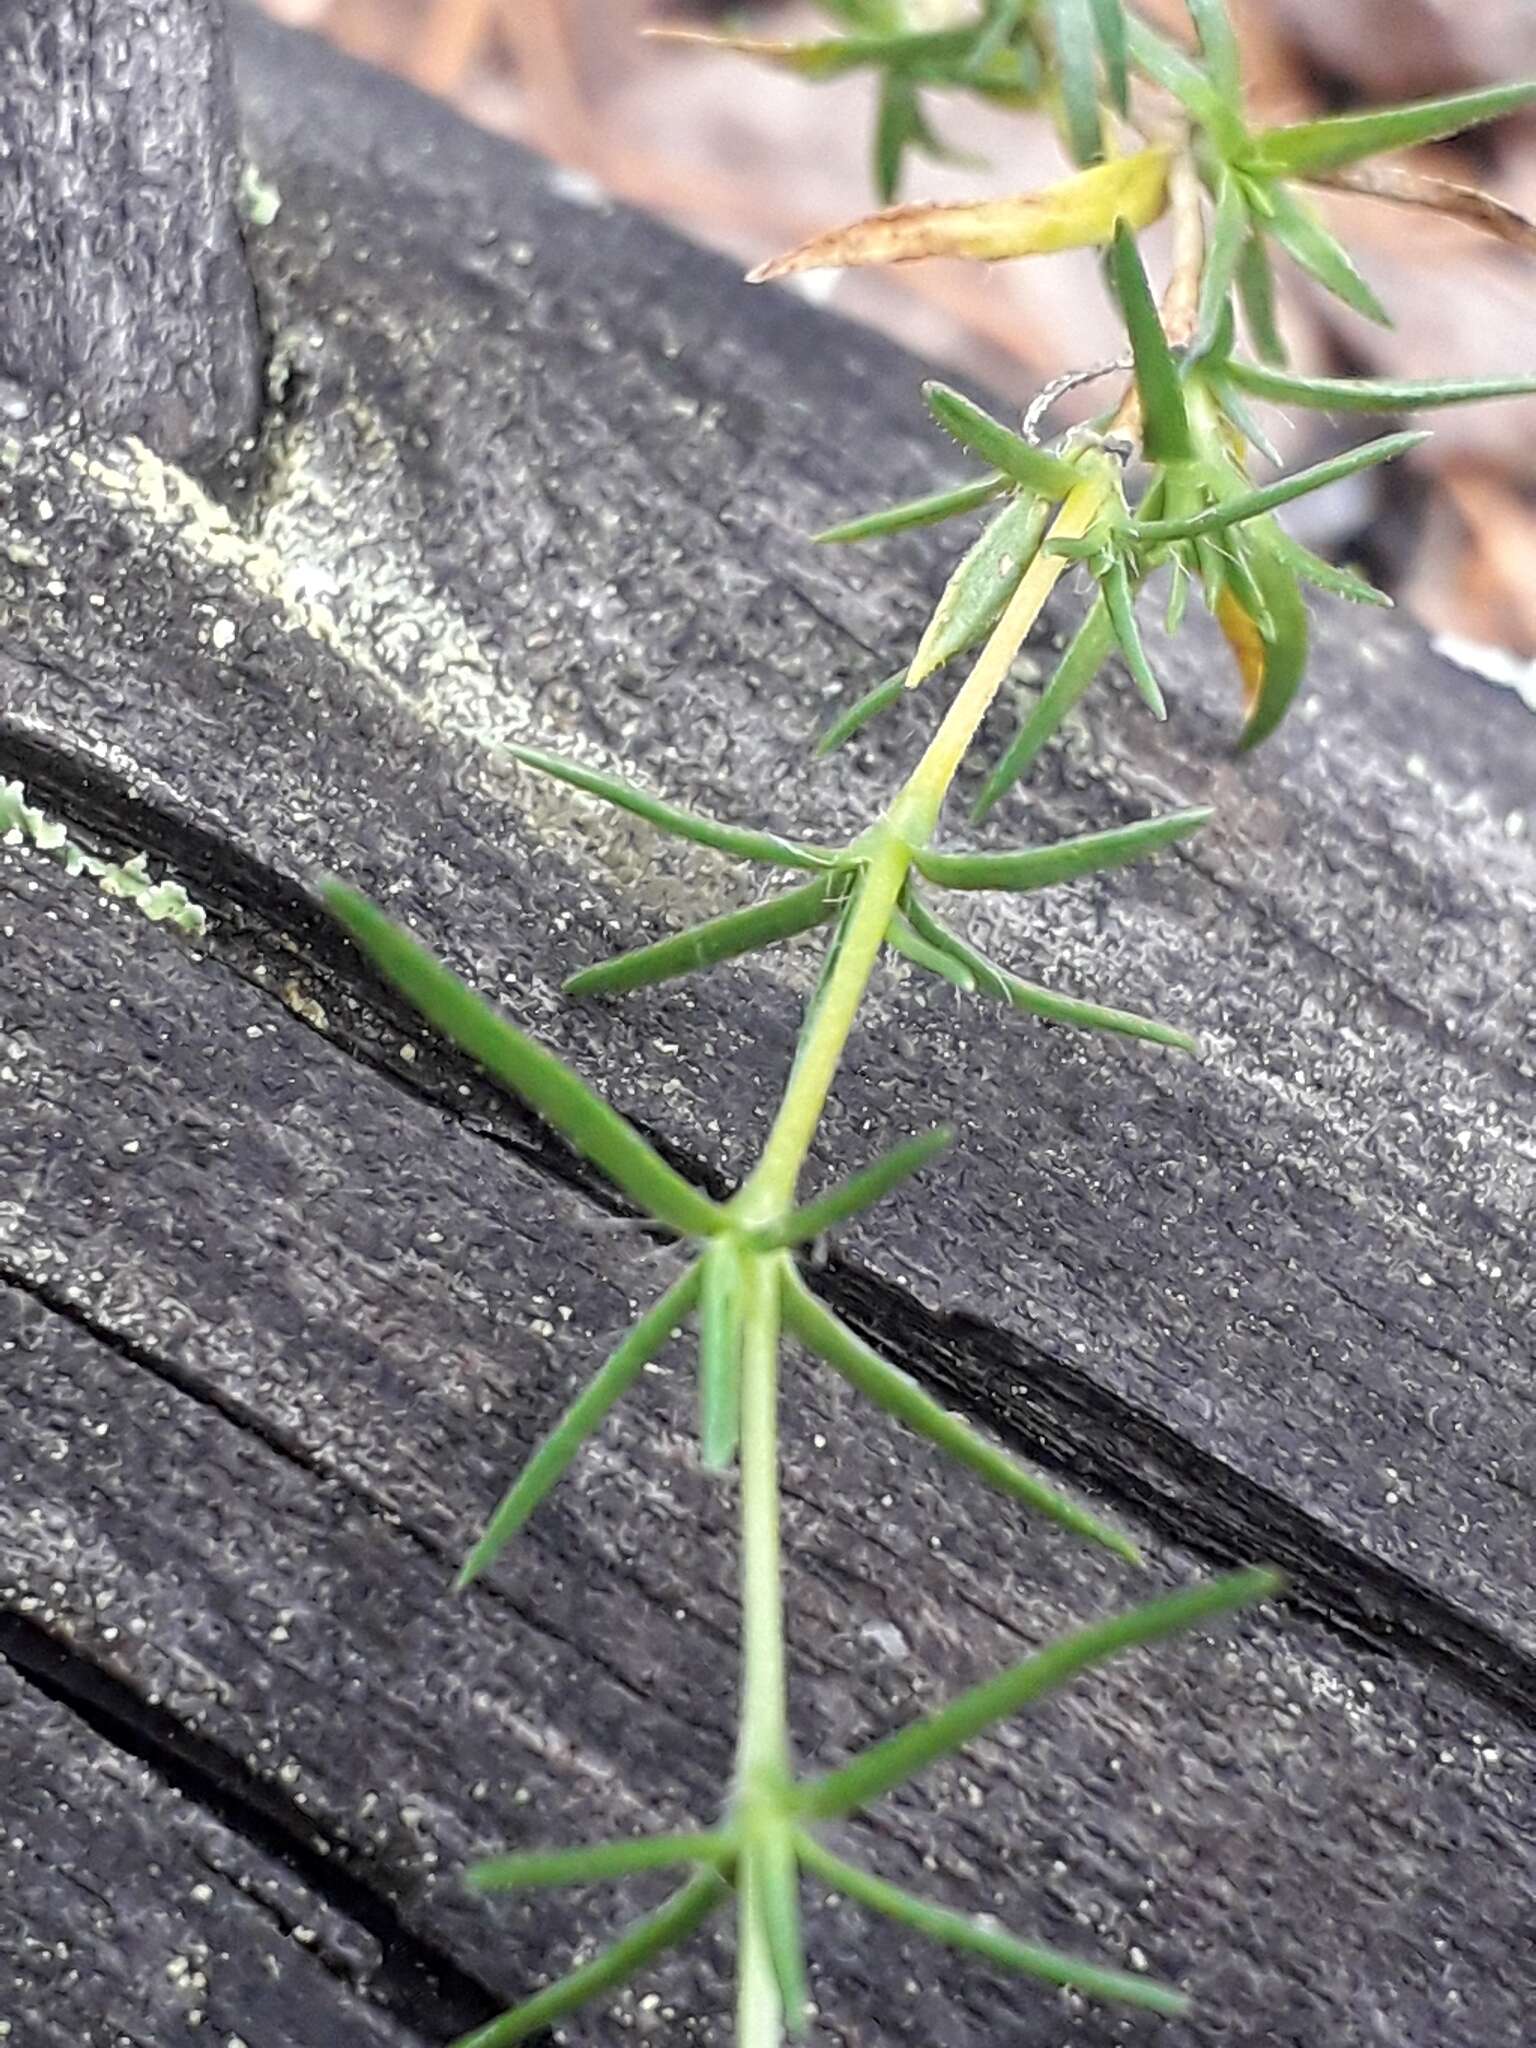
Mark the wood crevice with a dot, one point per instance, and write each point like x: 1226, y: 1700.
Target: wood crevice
x: 420, y: 1985
x: 1070, y: 1424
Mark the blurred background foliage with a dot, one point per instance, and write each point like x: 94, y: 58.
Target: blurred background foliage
x: 755, y: 160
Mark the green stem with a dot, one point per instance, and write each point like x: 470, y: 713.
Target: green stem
x: 759, y: 2009
x: 861, y: 934
x: 762, y: 1758
x: 907, y: 825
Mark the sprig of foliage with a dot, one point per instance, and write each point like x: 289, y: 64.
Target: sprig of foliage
x: 1160, y: 486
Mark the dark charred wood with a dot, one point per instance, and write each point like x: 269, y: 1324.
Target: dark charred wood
x: 128, y: 301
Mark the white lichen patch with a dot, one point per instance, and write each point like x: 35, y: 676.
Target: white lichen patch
x: 25, y: 825
x: 328, y: 553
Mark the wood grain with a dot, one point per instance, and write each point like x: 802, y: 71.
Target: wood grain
x: 128, y: 298
x: 537, y: 470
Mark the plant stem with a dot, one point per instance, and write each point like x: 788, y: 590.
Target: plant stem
x: 907, y: 825
x: 918, y: 805
x: 759, y: 2010
x: 861, y: 935
x: 762, y: 1757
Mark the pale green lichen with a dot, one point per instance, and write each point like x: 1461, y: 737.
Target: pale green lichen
x: 129, y: 881
x: 258, y: 199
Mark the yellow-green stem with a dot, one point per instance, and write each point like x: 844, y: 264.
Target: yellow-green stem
x: 922, y: 798
x: 763, y: 1761
x: 772, y: 1186
x: 908, y: 824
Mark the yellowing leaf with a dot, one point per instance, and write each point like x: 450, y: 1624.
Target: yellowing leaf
x: 1081, y: 210
x: 1271, y: 650
x: 1247, y: 643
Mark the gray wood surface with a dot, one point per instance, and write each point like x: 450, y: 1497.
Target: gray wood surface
x: 110, y: 1873
x: 291, y: 1290
x: 127, y: 294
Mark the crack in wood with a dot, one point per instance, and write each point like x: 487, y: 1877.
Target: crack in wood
x: 1057, y: 1415
x: 418, y: 1984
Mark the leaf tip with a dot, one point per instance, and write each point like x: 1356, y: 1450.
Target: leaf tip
x: 1258, y: 1582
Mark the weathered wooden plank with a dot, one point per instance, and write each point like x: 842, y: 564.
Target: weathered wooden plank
x: 128, y: 300
x: 130, y: 1918
x: 534, y: 482
x: 1315, y: 1274
x: 296, y: 1331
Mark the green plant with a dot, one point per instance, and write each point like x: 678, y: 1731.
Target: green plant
x: 1183, y: 426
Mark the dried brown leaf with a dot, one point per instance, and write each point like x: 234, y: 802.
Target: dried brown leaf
x: 1463, y: 203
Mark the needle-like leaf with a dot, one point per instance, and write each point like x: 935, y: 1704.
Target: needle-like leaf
x: 585, y: 1414
x: 1306, y: 241
x: 984, y: 1937
x: 929, y: 511
x: 891, y: 1389
x: 981, y: 585
x: 1081, y: 661
x: 860, y: 1191
x: 999, y: 21
x: 1078, y: 77
x: 858, y: 715
x: 874, y: 1771
x: 597, y: 1862
x: 1229, y: 233
x: 706, y: 945
x: 771, y: 1874
x: 1109, y: 26
x: 1369, y: 394
x: 611, y: 789
x: 1178, y: 597
x: 828, y: 57
x: 1312, y: 147
x: 996, y: 981
x: 1033, y: 469
x: 546, y: 1084
x: 1264, y: 620
x: 720, y: 1352
x: 1256, y: 290
x: 1218, y: 46
x: 1116, y: 586
x: 940, y: 54
x: 1165, y: 432
x: 1481, y: 211
x: 1327, y: 575
x: 1253, y: 504
x: 635, y: 1947
x: 1241, y: 415
x: 898, y: 124
x: 1174, y: 72
x: 1038, y: 867
x: 903, y: 938
x: 1078, y: 212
